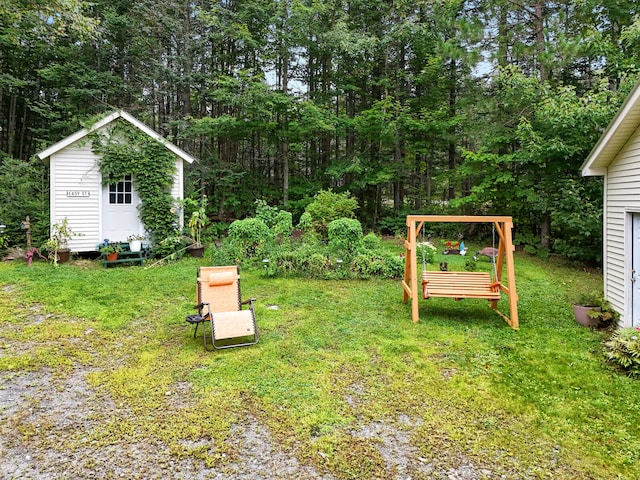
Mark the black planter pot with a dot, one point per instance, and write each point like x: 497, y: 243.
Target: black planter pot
x: 64, y: 255
x: 196, y: 251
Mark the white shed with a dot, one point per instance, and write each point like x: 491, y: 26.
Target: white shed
x: 616, y: 156
x: 94, y: 210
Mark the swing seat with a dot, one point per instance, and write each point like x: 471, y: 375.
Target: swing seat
x: 459, y: 285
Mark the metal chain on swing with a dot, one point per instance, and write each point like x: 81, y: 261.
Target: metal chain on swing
x: 424, y: 260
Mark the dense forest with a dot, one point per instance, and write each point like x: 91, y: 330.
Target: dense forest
x: 424, y: 106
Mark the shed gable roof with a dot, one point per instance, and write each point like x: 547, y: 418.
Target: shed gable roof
x: 616, y: 135
x: 46, y: 154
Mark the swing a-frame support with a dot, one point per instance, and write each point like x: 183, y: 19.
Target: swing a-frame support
x: 460, y: 285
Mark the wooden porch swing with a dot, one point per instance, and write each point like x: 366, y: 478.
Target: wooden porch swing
x: 461, y: 285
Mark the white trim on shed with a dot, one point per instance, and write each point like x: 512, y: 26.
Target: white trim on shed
x: 616, y: 135
x: 46, y: 154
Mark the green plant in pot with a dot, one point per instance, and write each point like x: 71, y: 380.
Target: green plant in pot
x: 110, y: 250
x: 196, y: 224
x: 135, y: 242
x: 58, y: 243
x: 594, y: 310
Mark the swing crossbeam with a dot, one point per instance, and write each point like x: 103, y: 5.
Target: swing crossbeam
x: 459, y: 285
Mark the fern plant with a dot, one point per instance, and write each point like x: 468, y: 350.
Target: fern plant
x: 623, y: 350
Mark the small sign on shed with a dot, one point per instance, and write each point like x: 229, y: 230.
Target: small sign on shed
x: 78, y: 193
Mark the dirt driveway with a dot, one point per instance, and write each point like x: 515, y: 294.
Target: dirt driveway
x: 43, y: 420
x: 49, y: 416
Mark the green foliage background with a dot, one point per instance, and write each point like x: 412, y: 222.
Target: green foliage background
x: 468, y: 107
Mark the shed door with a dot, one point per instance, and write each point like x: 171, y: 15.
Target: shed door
x: 120, y: 216
x: 635, y: 273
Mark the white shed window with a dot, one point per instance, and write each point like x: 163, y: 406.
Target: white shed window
x: 121, y: 192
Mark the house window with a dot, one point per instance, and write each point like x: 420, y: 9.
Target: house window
x: 121, y: 192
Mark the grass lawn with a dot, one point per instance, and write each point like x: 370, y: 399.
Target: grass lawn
x: 341, y: 380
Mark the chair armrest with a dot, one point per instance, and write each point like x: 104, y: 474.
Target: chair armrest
x: 250, y: 303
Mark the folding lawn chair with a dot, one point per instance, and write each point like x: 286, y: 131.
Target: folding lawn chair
x: 220, y: 304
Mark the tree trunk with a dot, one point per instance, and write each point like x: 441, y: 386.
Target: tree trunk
x: 12, y: 123
x: 545, y: 232
x: 503, y: 39
x: 539, y: 32
x: 398, y: 159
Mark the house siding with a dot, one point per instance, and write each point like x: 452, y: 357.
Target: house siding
x: 76, y: 194
x: 622, y: 195
x: 177, y: 187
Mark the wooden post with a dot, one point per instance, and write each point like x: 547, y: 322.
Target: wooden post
x: 414, y: 275
x: 406, y: 289
x: 26, y: 225
x: 511, y: 276
x: 410, y: 282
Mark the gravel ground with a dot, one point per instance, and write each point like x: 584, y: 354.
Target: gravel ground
x: 47, y: 420
x: 39, y: 415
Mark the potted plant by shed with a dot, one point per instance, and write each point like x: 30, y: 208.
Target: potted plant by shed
x: 135, y: 242
x: 593, y: 310
x: 110, y: 251
x: 58, y: 243
x: 196, y: 224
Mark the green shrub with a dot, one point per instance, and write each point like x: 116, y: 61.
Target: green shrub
x: 345, y: 236
x: 290, y: 261
x: 371, y: 241
x: 215, y: 230
x: 171, y: 248
x: 283, y: 226
x: 427, y: 251
x: 287, y: 263
x: 279, y: 221
x: 305, y: 222
x: 471, y: 264
x: 623, y: 350
x: 250, y: 237
x: 266, y: 213
x: 250, y: 241
x: 317, y: 265
x: 227, y: 254
x: 377, y: 263
x: 328, y: 206
x: 393, y: 224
